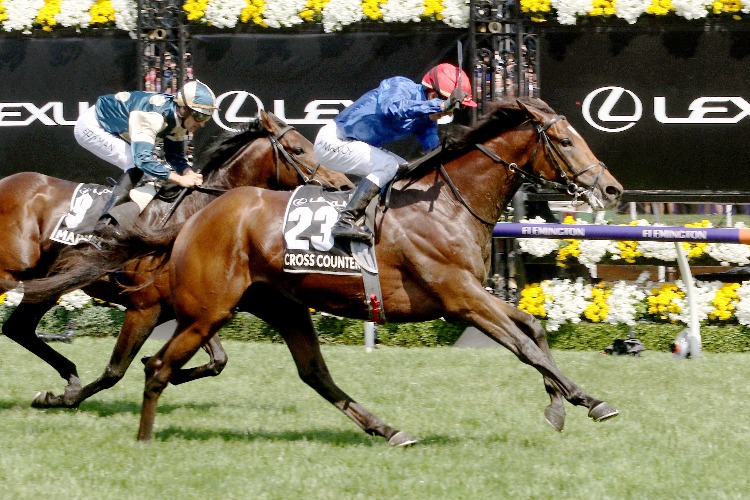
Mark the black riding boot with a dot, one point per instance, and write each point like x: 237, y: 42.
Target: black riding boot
x: 120, y: 193
x: 346, y: 227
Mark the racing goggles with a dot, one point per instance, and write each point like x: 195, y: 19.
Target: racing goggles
x: 199, y: 117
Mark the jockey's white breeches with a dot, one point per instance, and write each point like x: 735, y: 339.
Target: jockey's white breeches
x: 110, y: 148
x: 350, y: 156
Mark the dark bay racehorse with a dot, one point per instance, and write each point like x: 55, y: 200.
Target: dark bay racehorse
x: 267, y: 153
x: 433, y: 253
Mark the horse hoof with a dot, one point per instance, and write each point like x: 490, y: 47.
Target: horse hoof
x: 603, y: 411
x: 555, y: 417
x: 45, y: 400
x: 402, y: 439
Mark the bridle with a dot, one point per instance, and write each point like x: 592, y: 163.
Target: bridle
x: 296, y: 163
x: 569, y: 185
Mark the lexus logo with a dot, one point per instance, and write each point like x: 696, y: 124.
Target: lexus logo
x: 239, y: 106
x: 615, y: 109
x: 605, y: 99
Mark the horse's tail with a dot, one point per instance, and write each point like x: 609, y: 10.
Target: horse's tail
x: 84, y: 264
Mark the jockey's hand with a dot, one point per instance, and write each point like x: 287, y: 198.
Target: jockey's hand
x: 454, y: 100
x: 188, y: 179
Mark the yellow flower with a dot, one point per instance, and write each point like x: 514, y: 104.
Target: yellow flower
x: 726, y: 6
x: 695, y: 250
x: 725, y: 302
x: 3, y: 14
x: 537, y: 8
x: 45, y: 17
x: 660, y: 7
x: 598, y: 310
x: 195, y: 9
x: 2, y: 297
x: 102, y: 12
x: 603, y: 8
x: 532, y: 300
x: 433, y: 9
x: 371, y: 9
x: 253, y: 12
x: 661, y: 301
x: 313, y: 10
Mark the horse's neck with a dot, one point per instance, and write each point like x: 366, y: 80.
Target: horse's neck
x: 485, y: 185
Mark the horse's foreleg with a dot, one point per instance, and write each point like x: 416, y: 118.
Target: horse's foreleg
x: 292, y: 321
x: 171, y: 357
x: 21, y: 328
x: 499, y: 320
x: 213, y: 368
x: 555, y: 412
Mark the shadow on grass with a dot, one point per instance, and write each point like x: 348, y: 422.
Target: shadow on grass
x: 328, y: 436
x: 107, y: 408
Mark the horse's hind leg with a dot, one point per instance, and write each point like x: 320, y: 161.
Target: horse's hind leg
x: 292, y: 321
x: 216, y: 363
x: 21, y: 328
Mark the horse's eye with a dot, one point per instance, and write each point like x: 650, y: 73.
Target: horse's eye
x: 566, y: 142
x: 298, y: 151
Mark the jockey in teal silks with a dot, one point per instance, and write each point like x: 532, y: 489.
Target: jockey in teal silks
x: 122, y: 129
x: 398, y: 108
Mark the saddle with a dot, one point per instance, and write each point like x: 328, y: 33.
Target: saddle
x: 87, y: 204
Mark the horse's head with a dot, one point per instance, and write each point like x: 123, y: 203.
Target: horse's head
x: 561, y: 159
x: 295, y: 159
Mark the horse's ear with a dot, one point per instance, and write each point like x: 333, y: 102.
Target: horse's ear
x: 530, y: 111
x: 268, y: 121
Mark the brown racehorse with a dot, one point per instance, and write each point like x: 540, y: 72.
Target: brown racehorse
x: 433, y: 253
x: 432, y: 248
x: 267, y: 153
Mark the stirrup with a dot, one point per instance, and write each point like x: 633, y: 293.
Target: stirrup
x: 351, y: 233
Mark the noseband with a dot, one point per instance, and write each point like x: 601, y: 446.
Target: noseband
x: 569, y: 186
x: 297, y: 164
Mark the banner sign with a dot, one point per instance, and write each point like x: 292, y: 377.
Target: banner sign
x: 46, y: 84
x: 626, y: 233
x: 307, y: 79
x: 665, y: 110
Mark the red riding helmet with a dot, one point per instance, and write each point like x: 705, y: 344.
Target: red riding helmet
x: 443, y: 79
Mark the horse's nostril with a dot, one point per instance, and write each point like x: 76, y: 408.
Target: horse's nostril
x: 613, y: 191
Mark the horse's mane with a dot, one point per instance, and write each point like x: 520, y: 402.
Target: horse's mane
x: 499, y: 116
x: 227, y: 144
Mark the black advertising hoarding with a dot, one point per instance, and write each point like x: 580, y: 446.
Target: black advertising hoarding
x: 44, y: 83
x: 306, y: 79
x: 664, y: 110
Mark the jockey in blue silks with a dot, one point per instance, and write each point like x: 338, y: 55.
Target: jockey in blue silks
x: 122, y: 129
x: 398, y: 108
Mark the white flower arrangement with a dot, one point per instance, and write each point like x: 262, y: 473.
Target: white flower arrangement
x: 565, y: 301
x: 224, y: 13
x: 742, y: 312
x: 21, y: 15
x: 282, y: 13
x: 622, y: 303
x: 74, y: 300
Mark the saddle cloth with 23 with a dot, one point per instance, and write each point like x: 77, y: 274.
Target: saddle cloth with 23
x: 308, y: 244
